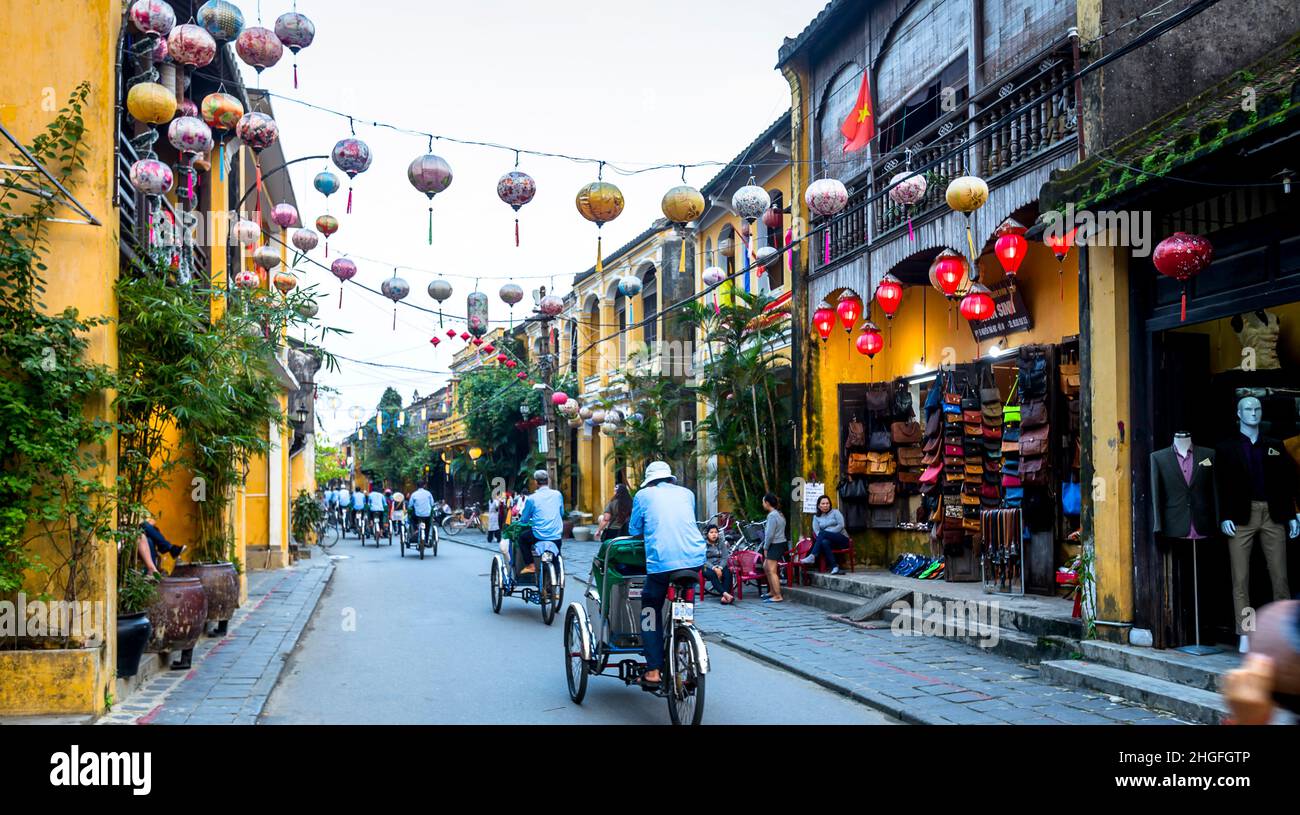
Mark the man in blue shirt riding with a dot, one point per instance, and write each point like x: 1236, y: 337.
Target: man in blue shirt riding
x: 420, y: 503
x: 544, y: 510
x: 378, y: 503
x: 663, y: 515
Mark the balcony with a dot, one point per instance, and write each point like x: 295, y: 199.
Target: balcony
x: 138, y: 234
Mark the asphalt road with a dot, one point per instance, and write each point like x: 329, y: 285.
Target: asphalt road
x: 400, y: 641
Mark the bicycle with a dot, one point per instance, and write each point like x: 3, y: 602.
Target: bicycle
x: 424, y: 535
x: 327, y: 533
x: 467, y: 518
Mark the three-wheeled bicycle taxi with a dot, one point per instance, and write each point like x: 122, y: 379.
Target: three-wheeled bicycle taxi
x: 545, y: 588
x: 604, y: 631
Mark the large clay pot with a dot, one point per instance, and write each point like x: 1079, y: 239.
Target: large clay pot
x: 178, y: 615
x: 133, y: 632
x: 220, y: 584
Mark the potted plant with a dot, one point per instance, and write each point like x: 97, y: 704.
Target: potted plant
x: 136, y: 592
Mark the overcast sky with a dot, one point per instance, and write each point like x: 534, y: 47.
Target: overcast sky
x: 628, y: 82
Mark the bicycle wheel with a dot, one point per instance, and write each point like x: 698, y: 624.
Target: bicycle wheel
x: 685, y: 682
x: 574, y: 665
x: 557, y: 598
x: 547, y: 588
x: 433, y: 536
x: 420, y: 540
x: 497, y: 589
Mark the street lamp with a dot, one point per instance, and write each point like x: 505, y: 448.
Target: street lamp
x: 300, y: 414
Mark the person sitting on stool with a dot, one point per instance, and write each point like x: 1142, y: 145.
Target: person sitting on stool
x: 151, y: 542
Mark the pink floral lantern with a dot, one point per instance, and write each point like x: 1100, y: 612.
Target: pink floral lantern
x: 160, y: 53
x: 305, y: 240
x: 257, y: 130
x: 551, y: 306
x: 247, y: 232
x: 352, y: 156
x: 151, y: 176
x: 153, y: 17
x: 247, y: 279
x: 344, y: 270
x: 191, y: 45
x: 907, y: 189
x: 296, y: 32
x: 430, y: 175
x: 259, y: 47
x: 285, y: 215
x: 516, y: 189
x: 190, y: 135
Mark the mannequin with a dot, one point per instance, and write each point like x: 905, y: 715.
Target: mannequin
x: 1256, y: 483
x: 1259, y: 330
x: 1185, y: 507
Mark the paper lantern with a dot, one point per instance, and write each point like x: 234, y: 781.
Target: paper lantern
x: 352, y: 156
x: 451, y: 333
x: 1059, y: 242
x: 629, y: 285
x: 344, y: 270
x: 967, y: 193
x: 1182, y: 256
x: 284, y: 282
x: 727, y: 247
x: 191, y: 45
x: 435, y: 341
x: 511, y: 294
x: 259, y: 48
x: 189, y: 134
x: 558, y: 398
x: 889, y: 295
x: 907, y: 188
x: 151, y: 176
x: 977, y: 304
x: 247, y: 232
x: 296, y: 32
x: 584, y: 413
x: 489, y: 348
x: 849, y: 309
x: 476, y: 309
x: 151, y: 103
x: 220, y: 18
x: 266, y: 257
x: 160, y: 53
x: 948, y: 272
x: 284, y: 215
x: 712, y: 276
x: 869, y: 342
x: 440, y: 290
x: 305, y: 240
x: 502, y: 358
x: 477, y: 341
x: 609, y: 429
x: 516, y: 189
x: 221, y: 111
x: 308, y: 308
x: 551, y: 306
x: 257, y: 130
x: 751, y: 201
x: 570, y: 406
x: 327, y: 225
x: 826, y: 197
x: 766, y: 256
x: 153, y: 17
x: 824, y: 321
x: 522, y: 375
x: 246, y: 279
x: 597, y: 416
x: 682, y: 204
x: 1010, y: 247
x: 774, y: 218
x: 599, y: 202
x: 187, y: 107
x: 430, y: 175
x: 326, y: 183
x: 395, y: 289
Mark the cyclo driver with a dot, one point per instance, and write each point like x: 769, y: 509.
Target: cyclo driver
x: 421, y: 504
x: 544, y: 510
x: 663, y: 515
x: 378, y: 509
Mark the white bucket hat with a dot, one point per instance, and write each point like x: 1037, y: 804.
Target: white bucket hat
x: 657, y: 471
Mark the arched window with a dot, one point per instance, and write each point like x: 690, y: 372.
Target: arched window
x: 776, y: 239
x: 650, y: 306
x: 620, y: 312
x: 841, y: 94
x: 728, y: 234
x: 708, y: 252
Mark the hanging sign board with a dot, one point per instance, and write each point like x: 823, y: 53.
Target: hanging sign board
x: 1009, y: 314
x: 812, y: 493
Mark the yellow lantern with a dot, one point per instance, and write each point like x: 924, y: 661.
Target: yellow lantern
x: 967, y: 194
x: 599, y: 202
x: 682, y: 204
x: 151, y: 103
x: 475, y: 452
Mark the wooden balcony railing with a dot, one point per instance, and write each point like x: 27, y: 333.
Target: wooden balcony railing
x: 185, y: 254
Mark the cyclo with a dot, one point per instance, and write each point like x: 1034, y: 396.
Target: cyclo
x: 545, y: 588
x: 606, y: 626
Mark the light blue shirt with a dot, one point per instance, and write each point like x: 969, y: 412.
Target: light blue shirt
x: 663, y: 515
x: 544, y: 509
x: 358, y: 500
x: 331, y: 498
x: 345, y: 498
x: 421, y: 503
x: 377, y: 501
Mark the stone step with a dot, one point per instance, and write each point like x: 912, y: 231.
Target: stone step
x: 1025, y: 648
x: 1203, y: 672
x: 833, y: 602
x: 1191, y: 704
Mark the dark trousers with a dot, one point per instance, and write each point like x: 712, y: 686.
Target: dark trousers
x: 526, y: 541
x: 414, y: 527
x: 825, y: 542
x: 653, y: 595
x: 722, y: 585
x: 493, y: 535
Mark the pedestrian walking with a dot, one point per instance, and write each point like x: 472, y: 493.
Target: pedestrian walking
x: 828, y: 534
x: 775, y: 545
x: 613, y: 522
x: 495, y: 511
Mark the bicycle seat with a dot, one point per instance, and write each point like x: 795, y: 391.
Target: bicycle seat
x: 684, y: 578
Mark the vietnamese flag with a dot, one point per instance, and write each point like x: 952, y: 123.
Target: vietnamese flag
x: 860, y: 125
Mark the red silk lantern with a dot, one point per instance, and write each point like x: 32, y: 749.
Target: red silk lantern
x: 978, y: 303
x: 523, y: 375
x: 1011, y: 247
x: 510, y: 363
x: 435, y: 342
x: 477, y: 341
x: 849, y: 309
x: 464, y: 335
x: 501, y: 358
x: 773, y: 218
x: 489, y: 348
x: 870, y: 342
x: 1182, y: 256
x: 889, y: 295
x: 950, y: 271
x: 824, y: 321
x: 558, y: 398
x: 451, y: 333
x: 1060, y: 245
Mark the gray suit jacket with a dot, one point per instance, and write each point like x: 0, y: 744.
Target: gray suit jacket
x: 1175, y: 504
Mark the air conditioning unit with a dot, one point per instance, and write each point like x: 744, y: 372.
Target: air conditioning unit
x: 688, y: 430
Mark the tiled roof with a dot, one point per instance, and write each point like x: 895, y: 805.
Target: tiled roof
x: 792, y: 46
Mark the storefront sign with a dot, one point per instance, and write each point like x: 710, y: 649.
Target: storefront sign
x: 1009, y: 314
x: 811, y: 494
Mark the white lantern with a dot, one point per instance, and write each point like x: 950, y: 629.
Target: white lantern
x: 826, y: 197
x: 629, y: 285
x: 712, y: 276
x: 597, y: 416
x: 247, y: 231
x: 751, y: 201
x: 609, y: 428
x: 267, y: 257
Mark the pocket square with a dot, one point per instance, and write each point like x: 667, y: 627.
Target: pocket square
x: 1273, y: 452
x: 1205, y: 462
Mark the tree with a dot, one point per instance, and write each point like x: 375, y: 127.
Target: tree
x: 397, y: 455
x: 329, y: 463
x: 489, y: 399
x: 643, y: 440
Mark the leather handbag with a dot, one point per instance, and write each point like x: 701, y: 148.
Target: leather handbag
x: 1033, y: 471
x: 910, y: 456
x: 1012, y: 496
x: 1033, y: 413
x: 993, y: 433
x: 878, y: 400
x: 951, y: 398
x: 954, y: 450
x: 974, y: 470
x: 932, y: 443
x: 1011, y: 412
x: 932, y: 424
x: 1033, y: 373
x: 1033, y: 442
x: 909, y: 477
x: 853, y: 489
x: 990, y: 491
x: 989, y: 394
x: 971, y: 416
x: 1070, y: 379
x: 931, y: 474
x: 857, y: 436
x: 968, y: 500
x: 902, y: 399
x: 857, y: 464
x: 1010, y: 446
x: 1011, y: 433
x: 973, y: 429
x: 905, y: 432
x: 881, y: 493
x: 951, y: 509
x: 970, y: 403
x: 951, y: 409
x: 879, y: 441
x: 881, y: 464
x: 933, y: 457
x: 992, y: 415
x: 1010, y: 480
x: 971, y: 524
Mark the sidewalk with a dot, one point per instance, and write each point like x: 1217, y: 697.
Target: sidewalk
x: 233, y: 676
x: 921, y: 680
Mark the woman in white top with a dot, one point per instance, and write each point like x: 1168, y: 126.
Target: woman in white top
x: 494, y: 520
